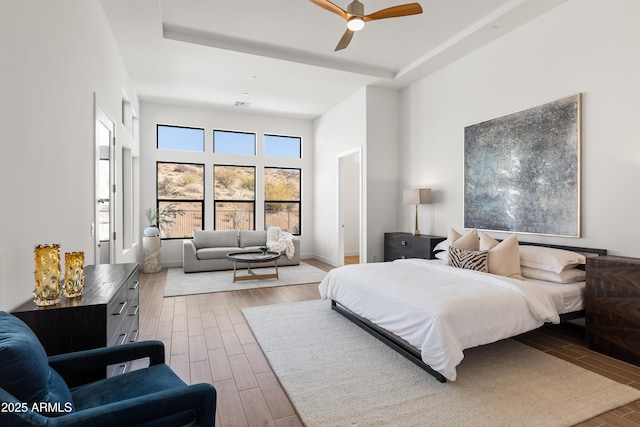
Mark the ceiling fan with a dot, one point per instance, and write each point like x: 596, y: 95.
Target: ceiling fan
x: 355, y: 17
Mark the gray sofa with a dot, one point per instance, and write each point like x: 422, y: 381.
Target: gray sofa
x: 208, y: 249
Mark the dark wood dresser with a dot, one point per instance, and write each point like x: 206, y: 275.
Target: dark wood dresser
x: 406, y: 245
x: 105, y: 315
x: 612, y: 307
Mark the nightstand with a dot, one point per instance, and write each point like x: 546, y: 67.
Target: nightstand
x: 406, y: 245
x: 612, y: 307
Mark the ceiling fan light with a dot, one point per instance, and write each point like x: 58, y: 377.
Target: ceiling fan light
x: 355, y: 23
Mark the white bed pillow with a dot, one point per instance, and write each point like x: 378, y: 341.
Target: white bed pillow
x: 443, y: 254
x: 504, y: 257
x: 442, y: 246
x: 571, y: 275
x: 550, y: 259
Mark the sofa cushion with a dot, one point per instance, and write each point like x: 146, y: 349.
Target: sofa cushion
x: 25, y: 371
x: 215, y: 253
x: 215, y: 238
x: 253, y: 238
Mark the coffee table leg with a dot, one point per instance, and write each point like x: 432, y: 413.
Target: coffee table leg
x: 235, y: 265
x: 276, y: 263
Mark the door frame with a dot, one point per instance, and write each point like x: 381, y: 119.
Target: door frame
x: 100, y: 116
x: 362, y: 247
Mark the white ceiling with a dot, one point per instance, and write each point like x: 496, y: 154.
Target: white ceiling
x: 278, y: 55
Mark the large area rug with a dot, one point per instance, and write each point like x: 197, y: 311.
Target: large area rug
x: 179, y: 283
x: 337, y: 375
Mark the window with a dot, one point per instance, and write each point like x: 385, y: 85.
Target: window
x: 234, y: 197
x: 283, y: 146
x: 228, y: 142
x: 180, y: 188
x: 180, y: 138
x: 282, y: 199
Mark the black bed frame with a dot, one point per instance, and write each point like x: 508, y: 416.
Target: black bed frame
x: 412, y: 353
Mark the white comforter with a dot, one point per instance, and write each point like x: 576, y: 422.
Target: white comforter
x: 439, y: 309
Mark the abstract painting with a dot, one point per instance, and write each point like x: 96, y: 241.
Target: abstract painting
x: 522, y: 171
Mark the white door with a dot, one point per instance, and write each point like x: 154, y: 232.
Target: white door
x: 104, y: 229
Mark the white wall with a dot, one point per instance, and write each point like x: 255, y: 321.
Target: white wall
x: 367, y: 119
x: 337, y: 132
x: 153, y: 114
x: 55, y: 56
x: 586, y: 46
x: 382, y: 168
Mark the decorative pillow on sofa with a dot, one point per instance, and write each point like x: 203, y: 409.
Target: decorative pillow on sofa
x: 470, y: 260
x: 550, y: 259
x: 504, y: 257
x: 25, y: 371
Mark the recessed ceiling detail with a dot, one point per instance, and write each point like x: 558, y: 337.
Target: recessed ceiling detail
x: 200, y: 52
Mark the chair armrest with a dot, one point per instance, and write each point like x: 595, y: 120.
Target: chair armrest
x: 200, y: 398
x: 97, y: 358
x: 17, y: 414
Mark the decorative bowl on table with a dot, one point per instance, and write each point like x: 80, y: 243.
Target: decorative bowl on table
x: 264, y: 249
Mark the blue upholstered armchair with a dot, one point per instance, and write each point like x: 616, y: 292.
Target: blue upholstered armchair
x: 33, y: 390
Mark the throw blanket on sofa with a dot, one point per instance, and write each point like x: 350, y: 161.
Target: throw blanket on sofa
x: 280, y: 241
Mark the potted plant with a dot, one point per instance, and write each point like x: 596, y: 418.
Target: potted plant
x: 152, y: 230
x: 161, y: 218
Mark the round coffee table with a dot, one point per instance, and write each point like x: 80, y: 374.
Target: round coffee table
x: 253, y: 257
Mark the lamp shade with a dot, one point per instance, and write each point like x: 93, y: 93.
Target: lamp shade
x: 416, y: 196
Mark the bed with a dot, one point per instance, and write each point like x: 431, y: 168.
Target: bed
x: 431, y: 312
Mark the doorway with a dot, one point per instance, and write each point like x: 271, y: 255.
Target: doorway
x: 104, y: 229
x: 350, y: 209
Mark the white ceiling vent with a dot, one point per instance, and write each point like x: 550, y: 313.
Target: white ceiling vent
x: 241, y: 104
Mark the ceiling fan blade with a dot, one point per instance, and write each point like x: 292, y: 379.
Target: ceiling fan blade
x: 327, y: 5
x: 345, y: 40
x: 394, y: 12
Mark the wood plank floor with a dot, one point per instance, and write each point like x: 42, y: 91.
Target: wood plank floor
x: 208, y: 340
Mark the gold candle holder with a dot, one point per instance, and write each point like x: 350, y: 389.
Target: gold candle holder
x: 73, y: 284
x: 47, y: 274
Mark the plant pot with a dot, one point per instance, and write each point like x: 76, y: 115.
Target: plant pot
x: 151, y: 231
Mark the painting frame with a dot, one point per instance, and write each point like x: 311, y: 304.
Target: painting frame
x: 522, y: 171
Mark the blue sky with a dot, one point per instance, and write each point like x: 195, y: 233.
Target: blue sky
x: 229, y: 142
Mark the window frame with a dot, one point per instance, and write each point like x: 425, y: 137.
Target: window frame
x: 165, y: 200
x: 204, y: 135
x: 298, y: 202
x: 240, y: 201
x: 255, y: 142
x: 265, y: 135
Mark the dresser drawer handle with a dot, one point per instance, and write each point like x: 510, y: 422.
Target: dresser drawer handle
x: 134, y: 287
x: 403, y: 242
x: 122, y: 306
x: 123, y: 369
x: 135, y: 311
x: 124, y: 338
x: 135, y: 336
